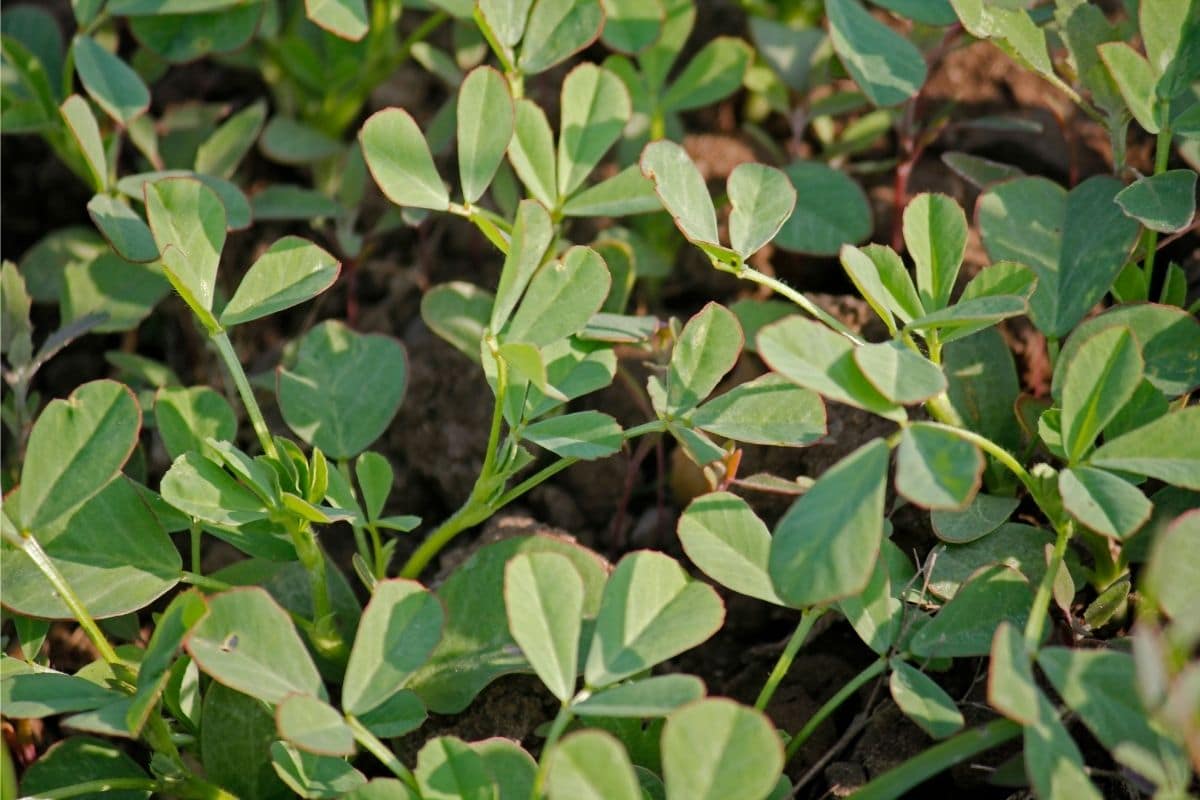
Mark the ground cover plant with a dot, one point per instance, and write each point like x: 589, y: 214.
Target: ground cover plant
x: 600, y: 399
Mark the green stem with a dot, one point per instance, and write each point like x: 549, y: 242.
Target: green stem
x: 234, y: 365
x: 779, y: 287
x: 196, y: 536
x: 556, y: 731
x: 326, y: 636
x: 471, y: 513
x: 876, y: 668
x: 807, y: 619
x: 1162, y: 153
x: 38, y: 556
x: 997, y: 452
x: 372, y: 745
x: 1045, y: 590
x: 101, y: 785
x: 918, y: 769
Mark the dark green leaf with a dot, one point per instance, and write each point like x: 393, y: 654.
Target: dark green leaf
x: 322, y: 396
x: 826, y: 545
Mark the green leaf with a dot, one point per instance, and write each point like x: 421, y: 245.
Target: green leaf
x: 225, y: 148
x: 713, y: 74
x: 375, y: 479
x: 401, y: 713
x: 883, y: 281
x: 1166, y: 448
x: 506, y: 18
x: 595, y: 108
x: 584, y: 435
x: 983, y: 515
x: 1101, y: 687
x: 877, y: 614
x: 1169, y: 339
x: 458, y: 312
x: 811, y: 355
x: 729, y: 543
x: 1011, y: 689
x: 532, y: 235
x: 1019, y: 546
x: 290, y: 272
x: 826, y: 545
x: 184, y: 611
x: 935, y: 231
x: 180, y: 38
x: 1053, y: 762
x: 556, y: 30
x: 114, y: 86
x: 188, y: 222
x: 768, y: 410
x: 763, y: 199
x: 322, y: 397
x: 381, y: 789
x: 901, y: 375
x: 400, y: 161
x: 35, y: 695
x: 280, y: 202
x: 1075, y: 243
x: 290, y: 141
x: 448, y: 769
x: 982, y: 172
x: 122, y: 229
x: 247, y: 643
x: 543, y: 597
x: 631, y: 26
x: 591, y: 765
x: 717, y: 749
x: 235, y: 744
x: 512, y: 769
x: 682, y: 190
x: 561, y: 298
x: 627, y: 192
x: 476, y: 646
x: 314, y: 776
x: 983, y: 385
x: 76, y: 447
x: 1098, y: 381
x: 237, y: 208
x: 923, y: 701
x: 399, y: 629
x: 201, y: 489
x: 1135, y: 80
x: 885, y: 65
x: 112, y: 551
x: 313, y: 726
x: 656, y: 696
x: 531, y: 152
x: 1171, y: 575
x: 935, y: 468
x: 186, y: 418
x: 964, y: 626
x: 344, y: 18
x: 707, y: 349
x: 485, y: 127
x: 1165, y: 202
x: 1103, y: 502
x: 79, y: 759
x: 123, y: 291
x: 651, y: 611
x: 85, y: 131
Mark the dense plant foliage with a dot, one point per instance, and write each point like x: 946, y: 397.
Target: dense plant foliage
x: 1062, y: 552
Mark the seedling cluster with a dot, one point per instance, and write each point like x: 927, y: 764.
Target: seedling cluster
x: 1057, y: 553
